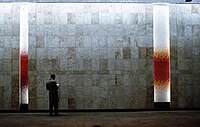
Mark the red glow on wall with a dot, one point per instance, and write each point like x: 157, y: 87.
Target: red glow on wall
x: 24, y: 70
x: 161, y: 69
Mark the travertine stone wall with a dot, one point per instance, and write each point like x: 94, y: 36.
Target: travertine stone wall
x: 185, y: 55
x: 102, y: 55
x: 9, y: 56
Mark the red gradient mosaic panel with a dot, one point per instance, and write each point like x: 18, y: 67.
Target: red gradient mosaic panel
x: 24, y: 72
x: 161, y: 69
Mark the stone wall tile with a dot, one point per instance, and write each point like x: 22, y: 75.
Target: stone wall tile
x: 63, y: 18
x: 111, y: 91
x: 41, y: 53
x: 95, y: 103
x: 195, y: 9
x: 188, y: 53
x: 41, y: 65
x: 6, y: 80
x: 174, y: 64
x: 15, y: 53
x: 55, y: 65
x: 95, y: 91
x: 87, y: 102
x: 32, y: 53
x: 111, y: 64
x: 15, y: 90
x: 63, y: 31
x: 87, y: 64
x: 103, y: 91
x: 2, y: 32
x: 134, y: 53
x: 95, y: 64
x: 119, y: 64
x: 118, y: 53
x: 83, y: 18
x: 195, y: 29
x: 103, y: 64
x: 149, y: 53
x: 87, y: 41
x: 149, y: 29
x: 149, y: 41
x: 14, y: 65
x: 111, y: 53
x: 103, y: 53
x: 2, y: 42
x: 6, y: 53
x: 7, y: 97
x: 106, y: 18
x: 142, y: 53
x: 47, y: 64
x: 180, y: 52
x: 195, y: 41
x: 87, y: 53
x: 32, y: 64
x: 111, y: 103
x: 32, y: 104
x: 95, y: 80
x: 95, y: 53
x: 119, y: 41
x: 119, y: 103
x: 126, y: 53
x: 1, y: 97
x: 127, y: 65
x: 180, y: 28
x: 39, y: 41
x: 79, y: 91
x: 181, y: 102
x: 7, y: 41
x: 142, y: 41
x: 15, y: 29
x: 95, y: 18
x: 119, y: 91
x: 71, y: 18
x: 87, y: 91
x: 118, y: 18
x: 71, y: 41
x: 103, y: 103
x: 184, y: 64
x: 42, y: 103
x: 195, y: 53
x: 111, y: 41
x: 71, y: 53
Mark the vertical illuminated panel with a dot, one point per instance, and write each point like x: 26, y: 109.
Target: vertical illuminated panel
x: 161, y: 53
x: 23, y: 78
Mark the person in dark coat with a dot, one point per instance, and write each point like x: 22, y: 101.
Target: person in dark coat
x: 52, y: 87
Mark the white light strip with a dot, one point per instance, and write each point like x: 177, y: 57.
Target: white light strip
x: 161, y: 53
x: 24, y: 54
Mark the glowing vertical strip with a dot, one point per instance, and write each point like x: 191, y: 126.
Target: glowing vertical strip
x: 161, y: 53
x: 24, y: 53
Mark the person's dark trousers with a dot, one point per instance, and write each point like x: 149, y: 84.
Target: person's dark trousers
x: 51, y: 107
x: 56, y: 108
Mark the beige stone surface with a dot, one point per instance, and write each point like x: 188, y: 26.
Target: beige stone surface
x: 103, y: 119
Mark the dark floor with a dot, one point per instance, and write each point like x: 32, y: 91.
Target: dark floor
x: 103, y: 119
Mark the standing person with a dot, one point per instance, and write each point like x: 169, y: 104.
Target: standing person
x: 52, y: 87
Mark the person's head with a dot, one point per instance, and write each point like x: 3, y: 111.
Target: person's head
x: 53, y: 76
